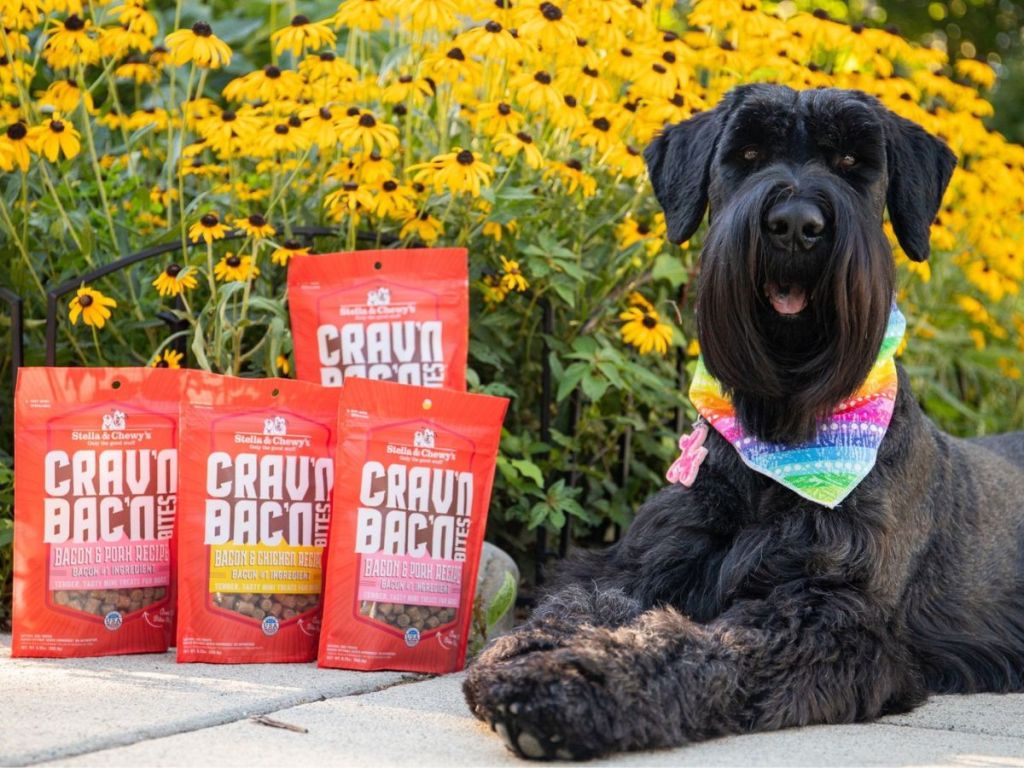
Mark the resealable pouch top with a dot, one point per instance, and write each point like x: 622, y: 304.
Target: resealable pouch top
x: 396, y: 315
x: 254, y: 507
x: 415, y: 468
x: 94, y: 510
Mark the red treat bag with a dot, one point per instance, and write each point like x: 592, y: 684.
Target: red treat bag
x: 94, y: 498
x: 255, y: 502
x: 395, y: 315
x: 415, y: 468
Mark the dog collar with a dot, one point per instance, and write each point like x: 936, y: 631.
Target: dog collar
x: 824, y: 470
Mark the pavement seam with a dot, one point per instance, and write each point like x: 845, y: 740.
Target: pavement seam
x: 188, y: 726
x: 952, y: 729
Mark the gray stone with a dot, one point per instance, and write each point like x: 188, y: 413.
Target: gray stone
x: 494, y: 564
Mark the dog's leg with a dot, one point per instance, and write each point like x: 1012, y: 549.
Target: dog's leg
x: 795, y: 658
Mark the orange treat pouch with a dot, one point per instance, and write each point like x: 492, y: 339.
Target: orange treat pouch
x: 415, y: 471
x: 255, y: 503
x: 95, y: 497
x: 393, y: 315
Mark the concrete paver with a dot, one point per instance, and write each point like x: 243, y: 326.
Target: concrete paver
x: 145, y: 710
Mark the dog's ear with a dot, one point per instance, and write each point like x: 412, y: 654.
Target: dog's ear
x: 679, y: 164
x: 920, y: 166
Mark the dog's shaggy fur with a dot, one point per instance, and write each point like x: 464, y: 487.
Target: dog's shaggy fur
x: 736, y: 605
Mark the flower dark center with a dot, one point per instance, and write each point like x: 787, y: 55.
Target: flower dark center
x: 233, y: 261
x: 725, y: 45
x: 173, y: 270
x: 352, y: 111
x: 573, y: 163
x: 457, y: 54
x: 375, y: 156
x: 590, y: 72
x: 677, y: 100
x: 281, y: 129
x: 57, y: 126
x: 209, y: 220
x: 292, y: 245
x: 405, y: 79
x: 504, y: 109
x: 201, y: 29
x: 658, y: 68
x: 163, y: 364
x: 389, y: 186
x: 350, y: 186
x: 570, y: 100
x: 669, y: 57
x: 17, y: 131
x: 327, y: 56
x: 228, y: 116
x: 271, y: 71
x: 295, y: 121
x: 551, y: 11
x: 524, y: 137
x: 73, y: 23
x: 821, y: 13
x: 649, y: 322
x: 602, y: 124
x: 366, y: 120
x: 257, y: 220
x: 325, y: 113
x: 626, y: 52
x: 85, y: 300
x: 493, y: 27
x: 543, y: 78
x: 643, y: 229
x: 300, y: 21
x: 465, y: 157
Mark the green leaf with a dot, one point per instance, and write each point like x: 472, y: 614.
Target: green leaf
x: 502, y: 602
x: 570, y: 379
x: 199, y: 347
x: 528, y: 469
x: 593, y: 387
x: 670, y: 268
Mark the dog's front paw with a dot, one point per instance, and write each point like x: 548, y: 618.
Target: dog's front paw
x: 549, y: 705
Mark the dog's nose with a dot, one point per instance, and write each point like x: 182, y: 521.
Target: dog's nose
x: 795, y: 222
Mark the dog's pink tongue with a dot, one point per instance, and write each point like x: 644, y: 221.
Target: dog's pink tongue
x: 787, y: 300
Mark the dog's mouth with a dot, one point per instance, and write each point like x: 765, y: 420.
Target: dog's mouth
x: 787, y: 298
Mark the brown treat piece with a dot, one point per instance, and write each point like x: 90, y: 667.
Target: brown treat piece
x: 136, y: 595
x: 289, y: 613
x: 432, y: 622
x: 288, y: 601
x: 402, y: 620
x: 75, y: 603
x: 159, y: 592
x: 123, y: 601
x: 92, y: 604
x: 244, y: 607
x: 258, y: 614
x: 60, y: 597
x: 266, y: 604
x: 276, y: 609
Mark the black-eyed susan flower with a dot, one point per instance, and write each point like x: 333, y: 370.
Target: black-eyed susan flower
x: 92, y: 306
x: 14, y: 147
x: 572, y: 176
x: 347, y: 199
x: 70, y: 43
x: 234, y: 268
x: 55, y: 137
x: 65, y: 96
x: 423, y: 226
x: 134, y: 15
x: 456, y: 171
x: 118, y: 42
x: 512, y: 276
x: 321, y: 125
x: 280, y: 138
x: 536, y: 90
x: 394, y: 200
x: 175, y: 280
x: 169, y: 358
x: 365, y: 132
x: 493, y: 291
x: 288, y: 250
x: 199, y: 46
x: 628, y: 159
x: 283, y: 365
x: 569, y: 114
x: 367, y: 15
x: 327, y: 65
x: 271, y: 83
x: 519, y: 143
x: 407, y: 87
x: 496, y: 117
x: 422, y: 15
x: 490, y: 39
x: 229, y: 130
x: 642, y: 327
x: 255, y: 226
x: 599, y: 133
x: 138, y: 71
x: 547, y: 26
x: 208, y: 228
x: 451, y: 64
x: 302, y: 34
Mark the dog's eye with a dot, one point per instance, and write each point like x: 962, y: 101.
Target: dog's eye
x: 750, y: 154
x: 846, y: 162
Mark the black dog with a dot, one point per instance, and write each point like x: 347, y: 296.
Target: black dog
x: 736, y: 605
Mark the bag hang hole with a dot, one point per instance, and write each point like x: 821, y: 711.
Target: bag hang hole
x: 427, y: 404
x: 115, y: 384
x: 377, y: 265
x: 275, y: 392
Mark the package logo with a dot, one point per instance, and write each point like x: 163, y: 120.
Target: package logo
x: 276, y: 425
x: 378, y: 298
x: 113, y: 420
x: 424, y: 438
x: 112, y: 621
x: 270, y: 625
x: 412, y: 637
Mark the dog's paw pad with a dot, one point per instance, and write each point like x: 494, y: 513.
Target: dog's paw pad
x: 530, y: 744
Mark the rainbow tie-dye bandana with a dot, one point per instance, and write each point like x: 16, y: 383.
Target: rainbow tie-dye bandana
x: 826, y: 469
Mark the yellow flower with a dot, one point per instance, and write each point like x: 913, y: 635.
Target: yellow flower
x: 395, y: 200
x: 547, y: 25
x: 491, y: 39
x: 271, y: 83
x: 255, y: 226
x: 14, y: 148
x: 512, y: 278
x: 348, y: 199
x: 55, y: 137
x: 423, y: 15
x: 498, y: 117
x: 233, y: 268
x: 363, y: 130
x: 367, y: 15
x: 208, y: 228
x: 642, y: 327
x: 424, y: 226
x: 174, y: 280
x: 140, y: 72
x: 285, y: 253
x: 493, y: 290
x: 978, y: 71
x: 92, y: 306
x: 169, y: 359
x: 535, y: 92
x: 572, y: 176
x: 69, y: 43
x: 456, y: 171
x: 637, y: 299
x: 300, y: 35
x: 198, y: 45
x: 283, y: 365
x: 513, y: 144
x: 418, y: 89
x: 65, y: 96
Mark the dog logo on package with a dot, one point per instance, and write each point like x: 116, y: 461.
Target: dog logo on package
x: 399, y: 316
x: 113, y: 420
x: 275, y: 425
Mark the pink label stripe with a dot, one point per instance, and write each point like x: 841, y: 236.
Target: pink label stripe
x: 410, y: 580
x: 110, y: 565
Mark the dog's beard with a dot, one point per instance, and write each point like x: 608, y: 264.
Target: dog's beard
x: 783, y: 369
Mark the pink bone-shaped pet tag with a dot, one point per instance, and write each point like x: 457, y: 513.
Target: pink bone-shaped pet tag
x: 684, y: 469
